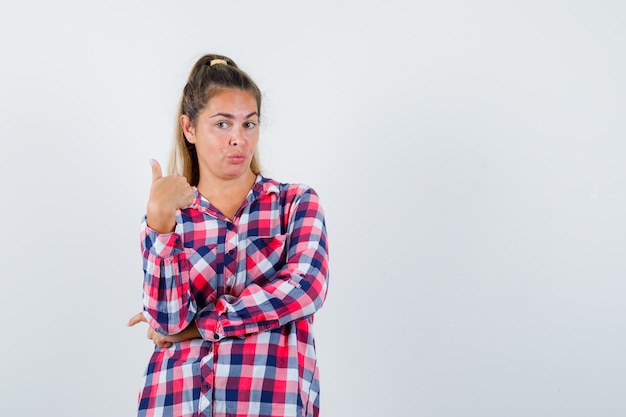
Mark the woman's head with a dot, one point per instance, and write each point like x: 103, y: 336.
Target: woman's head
x: 210, y: 75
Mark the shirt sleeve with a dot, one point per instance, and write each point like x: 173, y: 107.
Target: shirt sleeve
x: 167, y: 302
x: 297, y: 290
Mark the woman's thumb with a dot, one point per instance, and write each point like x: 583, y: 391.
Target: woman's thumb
x: 156, y: 170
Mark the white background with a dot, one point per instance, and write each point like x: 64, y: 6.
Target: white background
x: 469, y: 156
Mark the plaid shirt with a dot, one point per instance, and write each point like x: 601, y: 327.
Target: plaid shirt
x: 252, y: 286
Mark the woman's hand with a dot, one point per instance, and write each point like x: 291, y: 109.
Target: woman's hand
x: 163, y: 341
x: 167, y: 195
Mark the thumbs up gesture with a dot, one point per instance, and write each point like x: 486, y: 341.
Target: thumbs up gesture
x: 167, y: 195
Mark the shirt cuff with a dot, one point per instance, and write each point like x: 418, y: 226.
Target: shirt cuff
x: 210, y: 327
x: 162, y: 245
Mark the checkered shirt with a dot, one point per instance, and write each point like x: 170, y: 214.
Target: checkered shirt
x: 252, y: 286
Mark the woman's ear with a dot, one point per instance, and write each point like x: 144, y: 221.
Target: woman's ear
x: 188, y: 129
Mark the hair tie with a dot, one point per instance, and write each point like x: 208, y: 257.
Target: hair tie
x: 218, y: 61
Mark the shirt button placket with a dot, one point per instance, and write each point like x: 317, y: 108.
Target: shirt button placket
x: 230, y: 268
x: 206, y: 390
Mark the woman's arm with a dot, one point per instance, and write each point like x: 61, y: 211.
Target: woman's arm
x: 297, y: 290
x: 168, y: 306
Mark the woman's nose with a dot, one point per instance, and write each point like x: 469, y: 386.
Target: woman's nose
x: 237, y: 137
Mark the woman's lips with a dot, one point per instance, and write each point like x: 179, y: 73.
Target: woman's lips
x: 237, y: 159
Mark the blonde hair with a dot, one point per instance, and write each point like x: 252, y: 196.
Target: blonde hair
x: 210, y: 74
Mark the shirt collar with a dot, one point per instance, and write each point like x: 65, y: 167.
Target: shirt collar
x: 262, y: 186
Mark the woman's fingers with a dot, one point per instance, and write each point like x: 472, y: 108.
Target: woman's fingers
x: 158, y: 339
x: 137, y: 318
x: 167, y: 195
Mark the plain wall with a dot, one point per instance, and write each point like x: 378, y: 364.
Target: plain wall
x: 470, y: 157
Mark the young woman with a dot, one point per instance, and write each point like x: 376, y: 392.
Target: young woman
x: 235, y: 265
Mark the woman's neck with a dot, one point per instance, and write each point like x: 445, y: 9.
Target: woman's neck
x: 227, y: 195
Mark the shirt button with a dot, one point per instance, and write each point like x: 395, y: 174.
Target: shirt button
x: 216, y: 336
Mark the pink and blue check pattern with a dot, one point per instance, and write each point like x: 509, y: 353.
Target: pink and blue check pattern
x: 252, y: 286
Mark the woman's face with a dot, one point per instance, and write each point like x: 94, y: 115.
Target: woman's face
x: 226, y: 134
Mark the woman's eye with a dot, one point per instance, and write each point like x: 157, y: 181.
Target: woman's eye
x: 250, y: 125
x: 222, y: 125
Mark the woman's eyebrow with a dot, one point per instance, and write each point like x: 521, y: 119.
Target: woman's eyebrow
x: 230, y: 116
